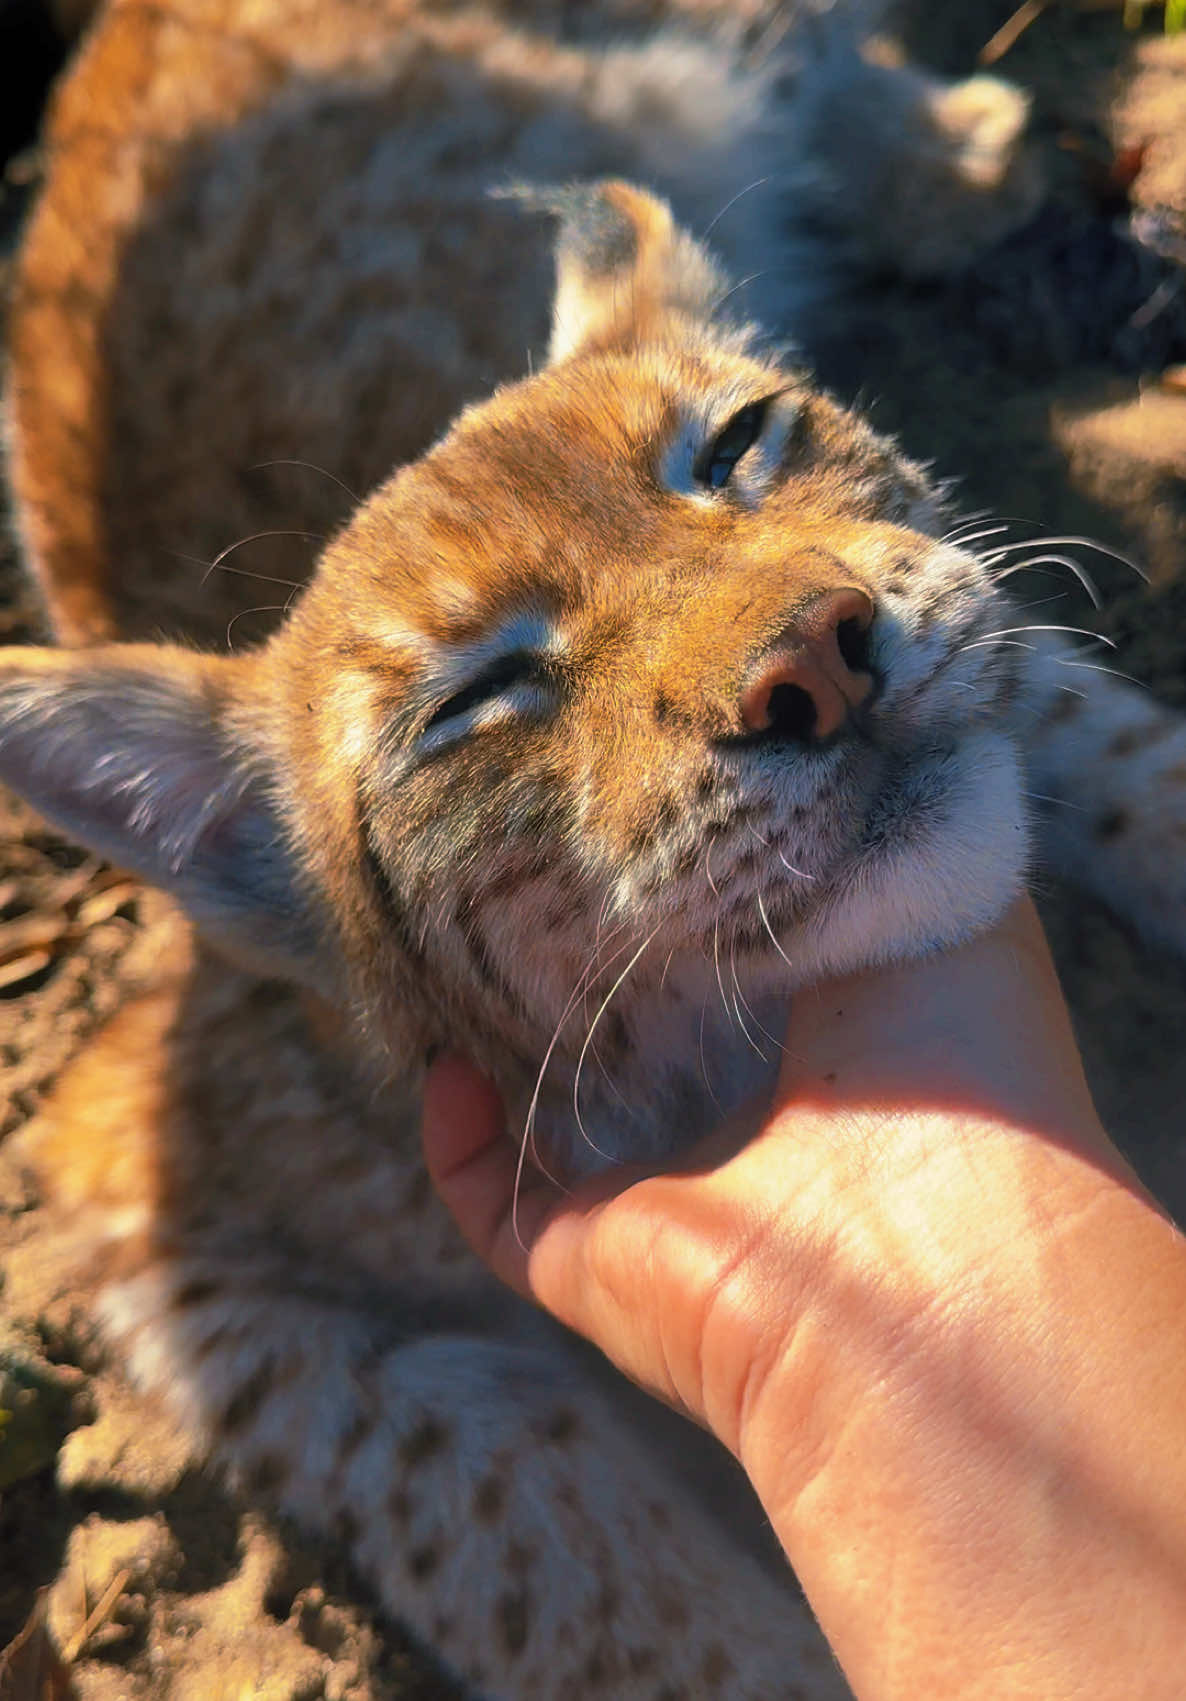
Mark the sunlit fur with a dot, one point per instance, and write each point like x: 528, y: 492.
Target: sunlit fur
x: 617, y: 800
x: 490, y: 783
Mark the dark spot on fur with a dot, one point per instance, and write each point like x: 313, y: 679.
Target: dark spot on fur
x: 208, y: 1344
x: 511, y: 1617
x: 562, y: 1426
x: 428, y: 1437
x: 489, y: 1500
x: 442, y: 1628
x: 419, y: 1191
x: 1065, y: 705
x: 659, y: 1515
x: 266, y: 1474
x: 1111, y: 825
x: 245, y: 1403
x: 609, y: 1603
x: 362, y: 1426
x: 706, y: 785
x: 672, y: 1611
x: 664, y: 708
x: 399, y: 1505
x: 641, y: 1661
x: 518, y: 1559
x: 717, y: 1666
x: 597, y: 1668
x: 196, y: 1292
x: 423, y: 1561
x: 345, y: 1527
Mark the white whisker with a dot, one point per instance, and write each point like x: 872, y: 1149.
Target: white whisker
x: 738, y: 1001
x: 708, y: 1087
x: 603, y: 1007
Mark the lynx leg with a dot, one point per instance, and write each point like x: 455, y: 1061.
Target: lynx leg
x: 1108, y: 775
x: 499, y: 1506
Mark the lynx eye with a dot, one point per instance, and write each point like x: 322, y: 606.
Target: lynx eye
x: 715, y: 464
x: 519, y: 667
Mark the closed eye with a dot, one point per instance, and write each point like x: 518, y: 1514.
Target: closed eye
x: 714, y: 465
x: 519, y: 667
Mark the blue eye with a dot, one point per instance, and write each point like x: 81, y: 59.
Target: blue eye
x: 715, y: 464
x: 518, y: 668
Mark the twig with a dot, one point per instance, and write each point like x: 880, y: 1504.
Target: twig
x: 1011, y: 30
x: 97, y: 1616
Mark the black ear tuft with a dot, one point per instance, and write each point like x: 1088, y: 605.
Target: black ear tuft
x: 625, y: 272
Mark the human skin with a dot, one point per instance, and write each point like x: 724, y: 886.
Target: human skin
x: 929, y: 1309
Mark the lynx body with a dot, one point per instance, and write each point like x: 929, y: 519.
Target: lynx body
x: 651, y: 686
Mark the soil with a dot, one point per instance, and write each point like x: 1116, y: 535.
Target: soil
x: 1052, y: 383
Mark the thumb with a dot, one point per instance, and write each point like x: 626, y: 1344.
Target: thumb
x: 499, y: 1203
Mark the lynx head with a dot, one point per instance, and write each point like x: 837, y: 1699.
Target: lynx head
x: 645, y: 695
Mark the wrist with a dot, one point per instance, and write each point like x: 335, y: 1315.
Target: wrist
x: 955, y: 1420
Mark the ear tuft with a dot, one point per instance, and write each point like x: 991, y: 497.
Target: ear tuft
x: 625, y: 272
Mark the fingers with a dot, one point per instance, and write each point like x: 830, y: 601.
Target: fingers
x: 499, y: 1207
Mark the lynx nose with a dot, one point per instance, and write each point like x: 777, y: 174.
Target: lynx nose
x: 816, y: 673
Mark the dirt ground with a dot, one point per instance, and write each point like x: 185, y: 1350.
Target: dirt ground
x: 1041, y: 382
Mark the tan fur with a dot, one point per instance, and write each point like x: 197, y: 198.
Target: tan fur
x: 492, y: 780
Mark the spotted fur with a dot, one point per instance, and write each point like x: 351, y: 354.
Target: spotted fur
x: 491, y: 780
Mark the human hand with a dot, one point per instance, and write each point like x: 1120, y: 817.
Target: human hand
x: 876, y: 1069
x: 926, y: 1305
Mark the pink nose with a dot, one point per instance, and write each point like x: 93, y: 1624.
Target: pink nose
x: 816, y: 673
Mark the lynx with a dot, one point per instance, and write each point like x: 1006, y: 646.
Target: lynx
x: 652, y: 685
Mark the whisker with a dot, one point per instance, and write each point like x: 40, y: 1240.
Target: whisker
x: 1064, y: 802
x: 1076, y: 568
x: 1071, y: 542
x: 1004, y: 643
x: 528, y: 1140
x: 1072, y: 631
x: 712, y: 885
x: 730, y: 204
x: 703, y: 1064
x: 716, y: 958
x: 752, y: 1014
x: 800, y: 873
x: 1098, y: 667
x: 959, y: 542
x: 744, y: 283
x: 771, y: 932
x: 310, y: 466
x: 263, y: 608
x: 739, y: 1000
x: 240, y: 572
x: 309, y: 537
x: 604, y: 1006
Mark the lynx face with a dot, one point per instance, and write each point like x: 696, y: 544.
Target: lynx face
x: 646, y: 695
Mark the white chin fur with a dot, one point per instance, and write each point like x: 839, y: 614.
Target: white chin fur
x: 954, y: 854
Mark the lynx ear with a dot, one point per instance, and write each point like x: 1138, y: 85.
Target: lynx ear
x: 133, y: 749
x: 623, y: 268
